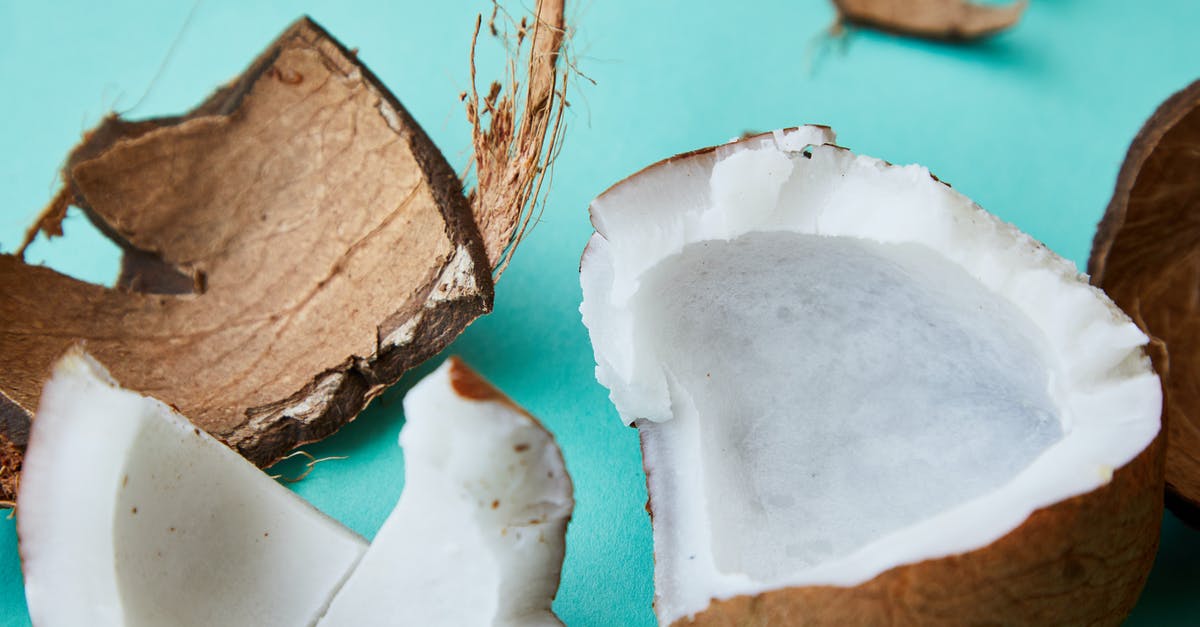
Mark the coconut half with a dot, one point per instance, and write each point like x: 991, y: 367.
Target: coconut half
x: 863, y: 399
x: 1144, y: 255
x: 478, y: 535
x: 130, y: 515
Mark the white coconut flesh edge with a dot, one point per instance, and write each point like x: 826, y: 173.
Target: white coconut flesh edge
x: 839, y: 366
x: 129, y: 515
x: 477, y: 537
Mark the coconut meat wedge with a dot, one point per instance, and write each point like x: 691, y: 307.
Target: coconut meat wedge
x: 862, y: 398
x: 130, y: 515
x: 478, y: 535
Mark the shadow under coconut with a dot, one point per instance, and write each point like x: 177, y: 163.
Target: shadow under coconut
x: 1174, y: 584
x: 1001, y: 51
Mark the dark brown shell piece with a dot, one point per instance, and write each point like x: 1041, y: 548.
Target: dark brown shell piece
x: 1146, y: 256
x: 932, y: 19
x: 1081, y: 561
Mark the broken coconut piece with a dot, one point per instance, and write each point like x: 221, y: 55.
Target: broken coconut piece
x: 292, y: 246
x: 864, y: 400
x: 130, y: 515
x: 1145, y: 256
x: 478, y: 535
x: 932, y: 19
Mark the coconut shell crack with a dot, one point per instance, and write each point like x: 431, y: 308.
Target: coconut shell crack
x: 932, y: 19
x: 291, y: 246
x: 1146, y: 257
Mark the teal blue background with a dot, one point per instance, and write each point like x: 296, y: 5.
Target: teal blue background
x: 1032, y: 124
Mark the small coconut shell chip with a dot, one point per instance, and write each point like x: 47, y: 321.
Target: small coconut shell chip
x: 1146, y: 257
x: 932, y: 19
x: 291, y: 246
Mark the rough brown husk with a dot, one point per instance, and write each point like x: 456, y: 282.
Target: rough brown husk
x: 512, y: 155
x: 932, y: 19
x: 291, y: 247
x: 1080, y: 562
x: 1146, y: 256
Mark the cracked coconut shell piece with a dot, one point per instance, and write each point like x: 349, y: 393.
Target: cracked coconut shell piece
x: 862, y: 399
x: 1145, y: 256
x: 291, y: 246
x: 1060, y: 567
x: 932, y: 19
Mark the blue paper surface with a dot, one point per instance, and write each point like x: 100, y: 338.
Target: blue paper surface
x: 1032, y: 124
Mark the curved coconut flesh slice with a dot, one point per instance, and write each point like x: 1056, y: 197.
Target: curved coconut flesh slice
x: 130, y: 515
x: 1144, y: 256
x: 861, y: 397
x: 477, y: 537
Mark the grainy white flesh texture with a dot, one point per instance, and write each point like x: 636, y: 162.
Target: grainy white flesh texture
x: 920, y: 390
x: 130, y: 516
x: 841, y: 366
x: 477, y: 537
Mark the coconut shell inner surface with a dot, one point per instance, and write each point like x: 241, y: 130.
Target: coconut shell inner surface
x: 933, y: 19
x: 764, y: 325
x: 291, y: 246
x: 1146, y: 256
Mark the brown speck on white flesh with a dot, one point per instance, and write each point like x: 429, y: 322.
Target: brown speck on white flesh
x: 374, y: 258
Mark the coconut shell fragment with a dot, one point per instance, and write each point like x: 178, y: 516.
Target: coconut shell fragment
x: 1146, y: 256
x: 291, y: 246
x: 932, y: 19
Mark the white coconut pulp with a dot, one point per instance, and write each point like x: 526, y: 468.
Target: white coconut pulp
x: 840, y: 366
x: 485, y: 505
x: 129, y: 515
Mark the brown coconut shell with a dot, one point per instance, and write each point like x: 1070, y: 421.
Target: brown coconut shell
x: 932, y: 19
x: 291, y: 247
x: 1146, y: 256
x: 1083, y: 561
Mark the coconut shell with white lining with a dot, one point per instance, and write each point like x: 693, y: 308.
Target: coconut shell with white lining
x: 862, y: 399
